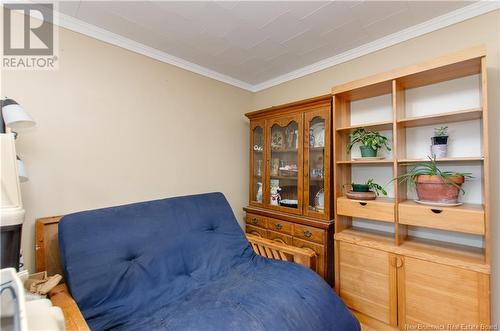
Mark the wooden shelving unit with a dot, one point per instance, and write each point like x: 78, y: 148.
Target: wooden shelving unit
x: 383, y: 161
x: 446, y: 159
x: 379, y: 126
x: 395, y: 263
x: 451, y: 117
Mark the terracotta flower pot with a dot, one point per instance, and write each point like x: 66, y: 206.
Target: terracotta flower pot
x: 435, y: 189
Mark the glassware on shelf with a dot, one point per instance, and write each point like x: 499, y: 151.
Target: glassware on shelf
x: 316, y: 169
x: 257, y: 161
x: 319, y: 200
x: 275, y: 192
x: 258, y: 172
x: 283, y: 167
x: 275, y: 166
x: 258, y: 197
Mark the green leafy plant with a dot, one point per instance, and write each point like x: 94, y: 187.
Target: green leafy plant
x: 430, y: 168
x: 377, y: 188
x: 371, y: 139
x: 370, y: 185
x: 441, y: 131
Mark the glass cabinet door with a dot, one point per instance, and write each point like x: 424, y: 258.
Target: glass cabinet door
x: 317, y: 164
x: 257, y: 162
x: 285, y: 167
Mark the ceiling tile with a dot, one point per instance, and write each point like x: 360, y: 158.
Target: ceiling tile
x: 255, y: 41
x: 425, y: 10
x: 68, y: 7
x: 268, y: 49
x: 245, y: 36
x: 333, y: 15
x: 283, y: 28
x: 259, y: 14
x: 369, y: 12
x: 397, y: 22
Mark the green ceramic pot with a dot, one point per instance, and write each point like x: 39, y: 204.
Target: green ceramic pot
x: 360, y: 188
x: 367, y: 151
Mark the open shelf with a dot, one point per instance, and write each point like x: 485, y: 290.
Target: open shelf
x: 457, y: 116
x: 366, y: 237
x: 284, y: 151
x: 466, y: 218
x: 446, y: 159
x: 284, y: 177
x: 466, y: 257
x: 471, y: 258
x: 377, y: 126
x: 383, y: 161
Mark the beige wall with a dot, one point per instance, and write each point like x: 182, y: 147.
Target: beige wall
x: 483, y: 29
x: 115, y: 127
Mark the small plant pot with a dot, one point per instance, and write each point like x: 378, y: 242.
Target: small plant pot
x: 360, y: 188
x: 435, y: 189
x: 367, y: 151
x: 439, y: 140
x: 439, y: 151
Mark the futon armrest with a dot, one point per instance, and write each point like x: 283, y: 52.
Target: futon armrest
x: 281, y: 251
x: 73, y: 318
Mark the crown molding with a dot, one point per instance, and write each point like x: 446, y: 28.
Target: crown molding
x: 456, y: 16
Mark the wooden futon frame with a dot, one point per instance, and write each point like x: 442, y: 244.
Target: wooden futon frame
x: 47, y: 259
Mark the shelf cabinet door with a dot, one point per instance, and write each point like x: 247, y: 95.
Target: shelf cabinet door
x: 257, y: 162
x: 317, y: 163
x: 431, y: 294
x: 284, y: 164
x: 367, y: 281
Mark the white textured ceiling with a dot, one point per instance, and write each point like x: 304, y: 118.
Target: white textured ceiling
x: 255, y: 42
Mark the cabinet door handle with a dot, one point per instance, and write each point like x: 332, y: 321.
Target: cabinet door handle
x: 278, y: 226
x: 363, y: 203
x: 254, y: 221
x: 307, y: 233
x: 399, y: 262
x: 437, y: 211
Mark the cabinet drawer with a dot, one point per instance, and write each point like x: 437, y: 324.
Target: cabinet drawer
x: 280, y: 237
x: 318, y: 249
x: 380, y: 209
x: 279, y: 226
x: 308, y: 233
x: 465, y: 218
x: 256, y: 220
x: 256, y: 231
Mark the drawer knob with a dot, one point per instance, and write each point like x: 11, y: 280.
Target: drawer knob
x: 436, y: 211
x: 363, y: 203
x: 254, y: 220
x: 278, y: 226
x: 307, y: 233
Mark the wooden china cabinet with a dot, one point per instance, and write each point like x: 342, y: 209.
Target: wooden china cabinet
x: 290, y: 178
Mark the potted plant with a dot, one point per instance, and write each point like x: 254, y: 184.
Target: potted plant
x: 367, y: 191
x: 370, y: 185
x: 371, y: 142
x: 439, y: 147
x: 433, y: 184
